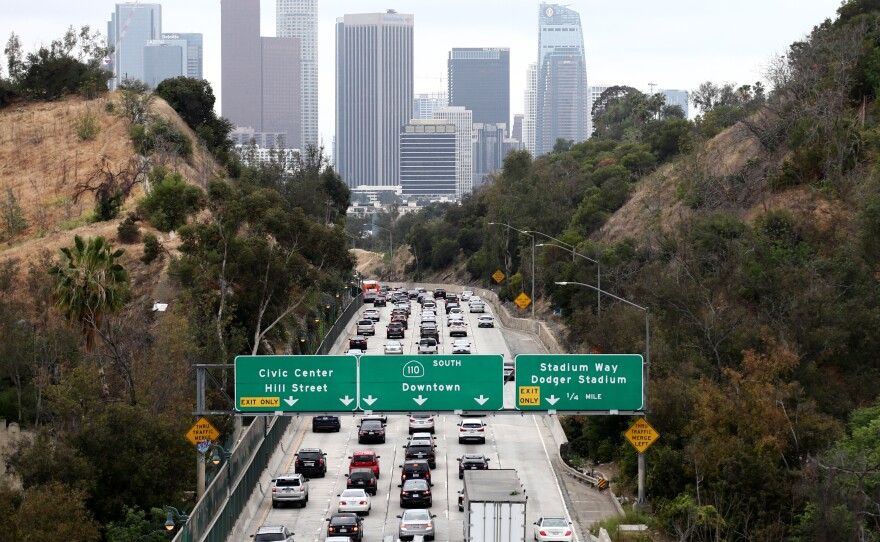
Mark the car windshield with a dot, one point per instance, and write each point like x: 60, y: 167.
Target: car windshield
x: 416, y: 515
x: 310, y: 455
x: 415, y: 484
x: 353, y: 493
x: 287, y: 482
x: 371, y: 424
x: 361, y: 474
x: 344, y: 520
x: 269, y: 537
x: 419, y: 448
x: 471, y: 425
x: 363, y: 458
x: 554, y: 522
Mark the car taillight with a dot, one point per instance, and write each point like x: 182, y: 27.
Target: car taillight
x: 411, y: 420
x: 404, y: 492
x: 567, y: 533
x: 320, y: 462
x: 480, y: 430
x: 332, y: 529
x: 542, y: 533
x: 363, y: 502
x: 427, y: 492
x: 355, y: 529
x: 298, y: 461
x: 274, y: 489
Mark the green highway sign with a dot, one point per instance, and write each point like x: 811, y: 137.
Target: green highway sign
x: 432, y: 383
x: 579, y: 382
x: 295, y: 383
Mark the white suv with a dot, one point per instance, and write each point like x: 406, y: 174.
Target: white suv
x: 471, y: 429
x: 366, y: 327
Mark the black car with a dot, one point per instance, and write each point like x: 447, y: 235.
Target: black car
x: 415, y: 493
x: 429, y: 329
x: 451, y: 298
x: 371, y: 431
x: 415, y: 469
x: 325, y: 423
x: 358, y: 342
x: 471, y: 462
x: 439, y: 292
x: 421, y: 451
x: 395, y: 330
x: 450, y: 305
x: 362, y: 479
x: 346, y: 524
x: 310, y: 462
x: 380, y: 301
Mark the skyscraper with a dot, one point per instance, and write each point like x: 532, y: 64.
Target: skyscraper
x: 463, y: 120
x: 260, y: 77
x: 374, y: 95
x: 479, y: 80
x: 163, y: 60
x: 428, y: 158
x: 489, y: 150
x: 561, y: 105
x: 194, y: 53
x: 299, y: 19
x: 531, y: 109
x: 425, y: 104
x: 131, y: 26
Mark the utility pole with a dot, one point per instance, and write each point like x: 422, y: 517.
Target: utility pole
x: 651, y: 86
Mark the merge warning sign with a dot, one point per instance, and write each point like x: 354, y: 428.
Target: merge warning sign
x: 202, y: 431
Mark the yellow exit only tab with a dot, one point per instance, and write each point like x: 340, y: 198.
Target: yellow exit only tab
x: 262, y: 402
x: 529, y: 395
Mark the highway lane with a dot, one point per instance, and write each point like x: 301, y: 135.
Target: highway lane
x: 519, y: 442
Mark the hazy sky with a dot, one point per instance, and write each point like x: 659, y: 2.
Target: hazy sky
x: 675, y: 44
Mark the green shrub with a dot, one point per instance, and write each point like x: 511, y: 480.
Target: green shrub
x: 170, y: 201
x: 161, y: 136
x: 87, y: 127
x: 128, y: 230
x: 152, y: 248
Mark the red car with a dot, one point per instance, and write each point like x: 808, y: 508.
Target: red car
x: 364, y: 459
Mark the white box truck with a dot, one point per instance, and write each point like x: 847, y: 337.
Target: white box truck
x: 494, y: 503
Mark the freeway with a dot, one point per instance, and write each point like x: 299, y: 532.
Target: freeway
x: 521, y: 442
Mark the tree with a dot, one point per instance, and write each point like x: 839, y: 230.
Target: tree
x: 54, y: 513
x: 193, y: 99
x: 171, y: 200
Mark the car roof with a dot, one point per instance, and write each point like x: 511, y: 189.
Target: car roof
x: 473, y: 457
x: 362, y: 470
x: 364, y: 452
x: 415, y: 481
x: 411, y: 462
x: 270, y: 529
x: 472, y: 420
x: 288, y: 476
x: 318, y: 450
x: 422, y: 434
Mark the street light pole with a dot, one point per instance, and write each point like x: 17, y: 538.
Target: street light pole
x: 642, y: 503
x: 574, y: 253
x: 524, y: 232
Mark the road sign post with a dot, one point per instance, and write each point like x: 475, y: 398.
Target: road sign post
x: 432, y: 383
x: 579, y: 382
x: 295, y: 383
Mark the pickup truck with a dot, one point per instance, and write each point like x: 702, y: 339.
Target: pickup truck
x: 428, y: 346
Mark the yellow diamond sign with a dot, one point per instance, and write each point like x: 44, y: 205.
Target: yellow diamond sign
x: 201, y: 431
x: 641, y: 435
x: 522, y: 300
x: 498, y: 276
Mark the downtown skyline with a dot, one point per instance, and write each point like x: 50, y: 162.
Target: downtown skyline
x: 679, y: 47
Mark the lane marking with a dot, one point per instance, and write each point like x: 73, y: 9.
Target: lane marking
x: 555, y: 478
x: 286, y: 470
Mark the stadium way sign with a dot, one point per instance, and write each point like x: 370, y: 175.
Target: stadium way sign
x: 579, y: 382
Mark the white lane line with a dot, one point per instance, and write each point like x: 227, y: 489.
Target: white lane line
x: 555, y: 479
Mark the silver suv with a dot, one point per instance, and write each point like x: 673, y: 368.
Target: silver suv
x: 428, y: 346
x: 292, y: 488
x: 273, y: 533
x: 366, y: 327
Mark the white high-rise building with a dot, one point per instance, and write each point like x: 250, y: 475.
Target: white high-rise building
x: 676, y: 97
x: 594, y: 93
x: 131, y: 26
x: 425, y: 104
x: 299, y: 19
x: 531, y: 97
x: 374, y: 95
x: 463, y: 119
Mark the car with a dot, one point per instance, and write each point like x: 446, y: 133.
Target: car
x: 421, y: 423
x: 415, y: 493
x: 403, y: 306
x: 474, y: 298
x: 453, y: 308
x: 412, y: 294
x: 400, y: 319
x: 371, y: 431
x: 310, y: 461
x: 429, y: 329
x: 476, y: 306
x: 393, y: 347
x: 337, y: 539
x: 415, y: 469
x: 461, y: 346
x: 417, y: 521
x: 394, y: 330
x: 379, y: 301
x: 439, y: 292
x: 380, y: 417
x: 325, y: 423
x: 355, y: 352
x: 451, y: 298
x: 425, y: 439
x: 553, y: 529
x: 429, y: 305
x: 471, y: 462
x: 421, y: 451
x: 366, y: 327
x: 454, y: 319
x: 471, y: 429
x: 428, y: 346
x: 466, y: 295
x: 428, y: 316
x: 355, y: 500
x: 373, y: 314
x: 486, y: 320
x: 364, y: 479
x: 290, y: 488
x: 509, y: 371
x: 273, y: 533
x: 366, y: 459
x: 458, y: 329
x: 461, y: 500
x: 358, y: 342
x: 346, y: 523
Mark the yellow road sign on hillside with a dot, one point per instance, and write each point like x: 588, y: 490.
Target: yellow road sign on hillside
x: 498, y: 276
x: 201, y: 431
x: 641, y: 435
x: 523, y: 300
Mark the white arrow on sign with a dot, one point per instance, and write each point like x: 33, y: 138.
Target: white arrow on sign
x: 420, y: 400
x: 290, y: 400
x: 552, y: 399
x: 370, y: 399
x: 481, y: 400
x: 346, y: 400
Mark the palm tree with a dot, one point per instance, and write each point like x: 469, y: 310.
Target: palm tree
x: 89, y: 285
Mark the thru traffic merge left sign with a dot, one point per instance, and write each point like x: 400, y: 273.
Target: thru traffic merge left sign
x: 202, y: 431
x: 641, y: 435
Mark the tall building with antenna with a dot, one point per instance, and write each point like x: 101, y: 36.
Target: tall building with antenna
x: 561, y: 109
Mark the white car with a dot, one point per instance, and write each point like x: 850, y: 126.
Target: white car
x: 428, y: 345
x: 422, y: 439
x: 473, y: 298
x: 461, y: 346
x: 455, y: 310
x: 454, y: 319
x: 486, y: 320
x: 355, y: 500
x: 477, y: 306
x: 471, y: 429
x: 465, y: 295
x: 393, y: 347
x: 553, y: 529
x: 458, y: 328
x: 429, y: 317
